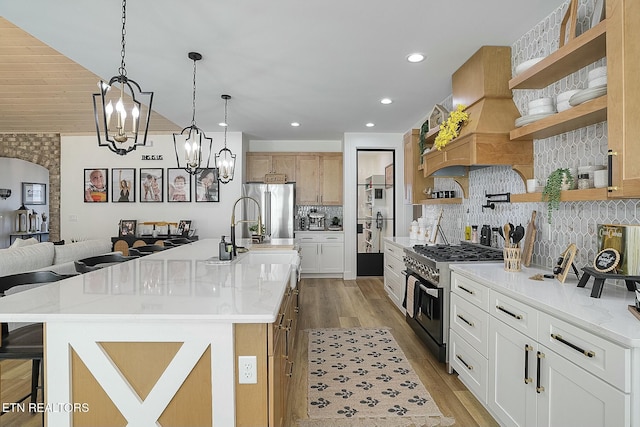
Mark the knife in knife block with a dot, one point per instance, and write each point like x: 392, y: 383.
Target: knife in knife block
x: 529, y: 239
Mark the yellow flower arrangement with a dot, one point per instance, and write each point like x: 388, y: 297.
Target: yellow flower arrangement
x: 450, y: 129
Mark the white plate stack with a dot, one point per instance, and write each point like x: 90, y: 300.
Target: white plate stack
x: 538, y: 109
x: 597, y: 87
x: 562, y: 99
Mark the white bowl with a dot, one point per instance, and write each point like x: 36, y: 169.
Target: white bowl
x: 542, y: 109
x: 527, y: 64
x: 597, y: 72
x: 564, y: 96
x: 540, y: 102
x: 563, y: 106
x: 600, y: 81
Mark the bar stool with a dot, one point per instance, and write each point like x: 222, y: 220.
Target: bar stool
x: 97, y: 262
x: 146, y: 250
x: 26, y: 342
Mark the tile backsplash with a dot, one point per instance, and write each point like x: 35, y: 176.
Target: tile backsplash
x: 574, y: 222
x: 329, y: 213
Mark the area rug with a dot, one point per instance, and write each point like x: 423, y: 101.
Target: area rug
x: 361, y: 377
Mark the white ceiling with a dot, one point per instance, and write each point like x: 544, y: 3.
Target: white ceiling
x: 325, y: 64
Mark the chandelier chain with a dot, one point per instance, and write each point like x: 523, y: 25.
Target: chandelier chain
x: 193, y: 117
x: 122, y: 70
x: 226, y: 122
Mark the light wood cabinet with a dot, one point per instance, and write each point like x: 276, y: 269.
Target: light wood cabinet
x: 260, y: 164
x: 264, y: 403
x: 414, y: 180
x: 319, y: 179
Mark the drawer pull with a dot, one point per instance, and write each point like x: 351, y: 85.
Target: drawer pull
x: 515, y: 316
x: 466, y: 290
x: 290, y: 373
x: 465, y: 320
x: 280, y: 320
x: 527, y: 349
x: 390, y: 266
x: 539, y: 388
x: 466, y: 365
x: 587, y: 353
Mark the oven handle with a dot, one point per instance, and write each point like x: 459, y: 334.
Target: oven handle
x: 431, y: 291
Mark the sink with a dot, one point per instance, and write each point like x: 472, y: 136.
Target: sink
x: 271, y: 257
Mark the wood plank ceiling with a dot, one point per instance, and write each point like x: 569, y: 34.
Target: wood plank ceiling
x: 42, y: 91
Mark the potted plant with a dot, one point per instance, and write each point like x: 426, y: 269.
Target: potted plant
x: 560, y: 179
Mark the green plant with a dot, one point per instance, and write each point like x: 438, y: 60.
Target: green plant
x: 254, y: 229
x: 551, y: 192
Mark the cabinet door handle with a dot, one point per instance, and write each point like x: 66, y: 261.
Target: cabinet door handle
x: 290, y: 373
x: 587, y: 353
x: 466, y: 365
x: 515, y: 316
x: 527, y: 349
x: 465, y: 320
x: 390, y: 266
x: 466, y: 290
x: 539, y: 388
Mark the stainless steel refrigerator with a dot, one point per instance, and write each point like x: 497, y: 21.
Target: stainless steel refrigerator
x: 277, y: 206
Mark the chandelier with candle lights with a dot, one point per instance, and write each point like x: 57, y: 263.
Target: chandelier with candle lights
x: 225, y: 159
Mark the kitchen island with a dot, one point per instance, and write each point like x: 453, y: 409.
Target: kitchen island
x: 155, y: 339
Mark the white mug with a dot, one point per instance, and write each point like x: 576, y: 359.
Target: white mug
x: 600, y: 178
x: 532, y: 184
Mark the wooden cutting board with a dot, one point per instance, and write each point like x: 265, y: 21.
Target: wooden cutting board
x: 529, y: 239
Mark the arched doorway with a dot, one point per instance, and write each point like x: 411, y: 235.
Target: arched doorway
x: 43, y: 150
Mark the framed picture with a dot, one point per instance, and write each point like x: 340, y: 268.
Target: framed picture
x: 151, y: 185
x: 96, y: 185
x: 178, y: 185
x: 207, y: 185
x: 127, y: 227
x: 34, y: 194
x: 388, y: 176
x: 184, y: 226
x: 123, y: 185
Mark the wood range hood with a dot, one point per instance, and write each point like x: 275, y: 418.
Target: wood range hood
x: 482, y: 84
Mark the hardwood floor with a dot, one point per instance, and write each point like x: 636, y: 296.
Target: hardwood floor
x: 324, y: 303
x: 335, y: 303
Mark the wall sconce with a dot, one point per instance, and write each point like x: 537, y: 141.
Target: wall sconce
x: 5, y: 193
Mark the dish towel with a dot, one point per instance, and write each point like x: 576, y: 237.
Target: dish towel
x: 411, y: 287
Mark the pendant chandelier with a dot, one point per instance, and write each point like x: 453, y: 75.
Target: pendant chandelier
x: 127, y: 102
x: 188, y: 143
x: 225, y: 159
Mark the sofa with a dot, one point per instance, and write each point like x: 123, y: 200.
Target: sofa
x: 30, y: 255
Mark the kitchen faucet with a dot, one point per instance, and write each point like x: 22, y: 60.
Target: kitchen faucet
x: 234, y: 222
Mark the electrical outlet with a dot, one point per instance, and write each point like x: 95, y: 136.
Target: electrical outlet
x: 247, y: 370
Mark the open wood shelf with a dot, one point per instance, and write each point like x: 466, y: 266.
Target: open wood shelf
x: 451, y: 201
x: 588, y: 113
x: 565, y: 196
x: 579, y: 52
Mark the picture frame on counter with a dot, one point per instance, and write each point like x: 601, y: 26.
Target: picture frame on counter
x: 34, y: 193
x: 151, y: 185
x: 96, y: 185
x: 178, y: 185
x: 123, y: 185
x: 184, y: 226
x: 127, y: 227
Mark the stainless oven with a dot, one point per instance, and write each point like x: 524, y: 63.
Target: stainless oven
x: 426, y: 316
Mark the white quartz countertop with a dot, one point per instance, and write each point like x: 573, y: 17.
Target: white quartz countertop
x: 405, y: 242
x: 179, y: 284
x: 607, y: 316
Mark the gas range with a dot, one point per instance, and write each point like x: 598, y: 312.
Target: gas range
x: 432, y: 261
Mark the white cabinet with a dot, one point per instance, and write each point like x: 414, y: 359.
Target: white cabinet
x: 394, y: 279
x: 530, y: 368
x: 322, y: 253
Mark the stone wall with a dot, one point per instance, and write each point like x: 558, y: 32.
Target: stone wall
x: 43, y: 150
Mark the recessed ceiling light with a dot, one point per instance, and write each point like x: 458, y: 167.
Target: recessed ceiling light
x: 295, y: 124
x: 415, y: 57
x: 370, y: 125
x: 386, y: 101
x: 223, y: 124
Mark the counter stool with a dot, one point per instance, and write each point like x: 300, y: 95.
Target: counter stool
x: 97, y: 262
x: 121, y: 246
x: 146, y: 250
x: 26, y: 342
